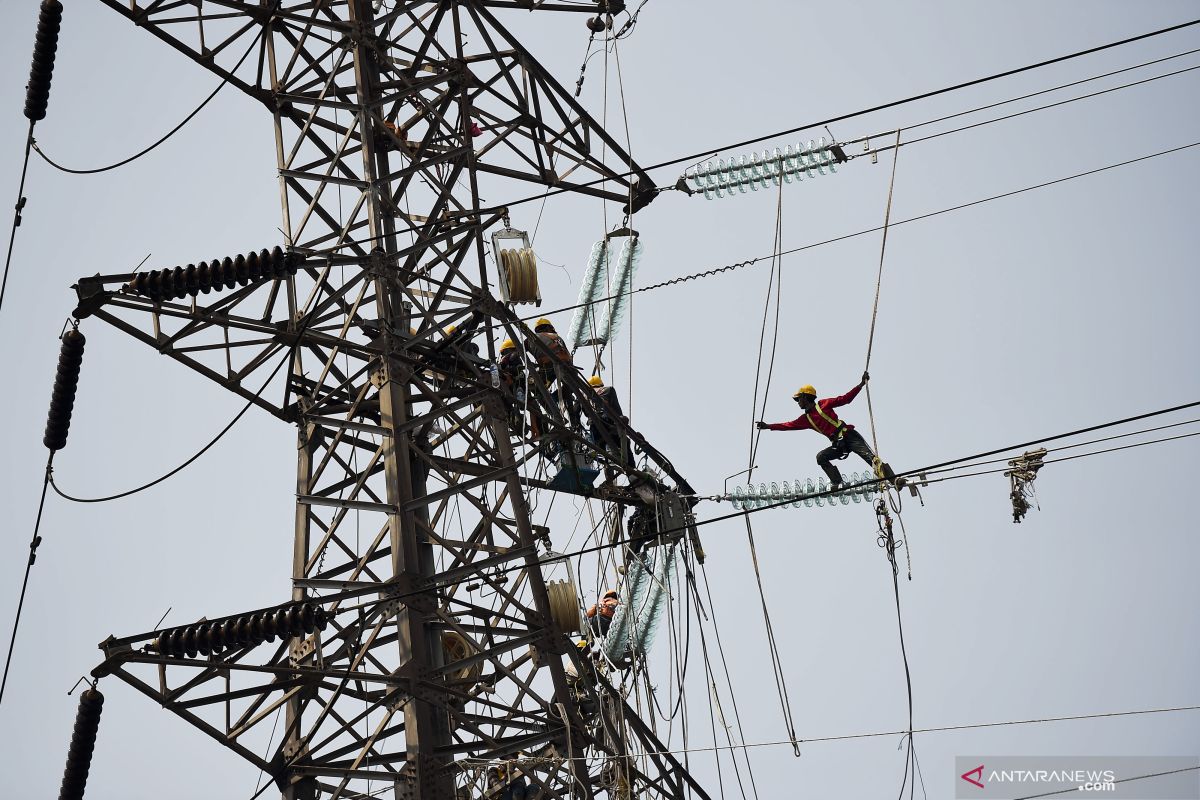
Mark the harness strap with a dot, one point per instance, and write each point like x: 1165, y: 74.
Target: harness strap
x: 839, y: 426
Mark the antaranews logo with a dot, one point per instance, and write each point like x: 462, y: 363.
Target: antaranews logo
x: 1132, y: 777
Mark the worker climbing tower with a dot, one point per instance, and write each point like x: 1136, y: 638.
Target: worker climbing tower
x: 406, y: 656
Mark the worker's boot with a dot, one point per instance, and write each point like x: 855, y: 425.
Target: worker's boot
x: 884, y: 471
x: 835, y: 477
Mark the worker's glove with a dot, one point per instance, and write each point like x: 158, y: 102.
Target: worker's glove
x: 866, y: 376
x: 762, y: 426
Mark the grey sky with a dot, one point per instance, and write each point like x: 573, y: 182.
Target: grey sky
x: 1026, y: 316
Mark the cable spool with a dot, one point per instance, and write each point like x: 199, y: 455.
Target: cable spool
x: 62, y: 399
x: 37, y: 91
x: 455, y: 647
x: 564, y: 608
x: 83, y: 742
x: 520, y: 273
x: 215, y: 276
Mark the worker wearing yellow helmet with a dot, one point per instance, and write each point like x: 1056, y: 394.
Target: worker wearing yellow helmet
x: 605, y: 431
x: 819, y: 415
x: 511, y: 365
x: 554, y: 364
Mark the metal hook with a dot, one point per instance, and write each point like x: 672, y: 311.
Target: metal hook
x: 83, y: 679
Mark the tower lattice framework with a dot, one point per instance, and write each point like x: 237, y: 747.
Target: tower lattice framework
x: 410, y: 653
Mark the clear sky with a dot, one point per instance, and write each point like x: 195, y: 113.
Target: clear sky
x: 1027, y: 316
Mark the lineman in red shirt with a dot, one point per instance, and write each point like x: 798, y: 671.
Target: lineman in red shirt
x: 819, y: 415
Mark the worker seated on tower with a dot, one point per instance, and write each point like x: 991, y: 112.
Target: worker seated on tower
x: 601, y: 614
x: 555, y: 365
x: 605, y: 431
x: 511, y: 368
x: 506, y: 783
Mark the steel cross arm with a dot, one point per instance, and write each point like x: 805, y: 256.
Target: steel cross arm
x: 563, y: 101
x: 539, y: 5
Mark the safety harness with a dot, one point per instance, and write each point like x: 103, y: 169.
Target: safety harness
x: 839, y: 426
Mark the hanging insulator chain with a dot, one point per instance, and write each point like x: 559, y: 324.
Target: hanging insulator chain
x: 83, y: 742
x: 247, y: 630
x: 62, y: 399
x: 37, y: 91
x: 861, y: 487
x: 215, y: 275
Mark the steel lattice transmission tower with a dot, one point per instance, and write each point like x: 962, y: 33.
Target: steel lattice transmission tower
x: 410, y: 650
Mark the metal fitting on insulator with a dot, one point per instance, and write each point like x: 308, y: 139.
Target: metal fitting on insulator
x: 83, y: 742
x: 37, y: 91
x: 66, y: 381
x: 214, y: 276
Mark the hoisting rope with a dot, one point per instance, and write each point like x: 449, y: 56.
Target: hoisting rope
x: 887, y: 218
x: 774, y: 281
x: 887, y: 541
x: 886, y: 538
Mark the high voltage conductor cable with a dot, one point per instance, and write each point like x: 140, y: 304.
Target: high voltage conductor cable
x: 1080, y: 444
x: 1022, y: 113
x: 211, y: 443
x: 1119, y: 780
x: 752, y: 261
x: 622, y: 542
x: 1040, y: 92
x: 908, y: 473
x: 37, y: 97
x: 880, y: 734
x: 58, y: 423
x: 615, y: 543
x: 918, y: 140
x: 892, y: 104
x: 165, y: 137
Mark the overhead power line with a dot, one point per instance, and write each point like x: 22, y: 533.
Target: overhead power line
x: 940, y: 729
x: 165, y: 136
x: 1119, y: 780
x: 708, y: 273
x: 624, y: 541
x: 893, y: 104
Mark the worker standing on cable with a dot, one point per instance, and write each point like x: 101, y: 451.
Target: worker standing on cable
x: 819, y: 415
x: 601, y: 614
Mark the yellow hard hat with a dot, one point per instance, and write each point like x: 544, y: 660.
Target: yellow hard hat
x: 595, y: 380
x: 805, y: 389
x: 543, y: 323
x: 509, y: 344
x: 450, y: 329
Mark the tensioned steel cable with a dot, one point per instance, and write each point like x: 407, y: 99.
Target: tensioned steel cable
x: 369, y: 240
x: 752, y: 261
x: 892, y: 104
x: 165, y: 137
x: 625, y: 541
x: 291, y: 352
x: 939, y: 729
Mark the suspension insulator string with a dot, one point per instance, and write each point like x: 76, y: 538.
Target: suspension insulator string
x: 83, y: 743
x: 215, y: 275
x: 58, y: 421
